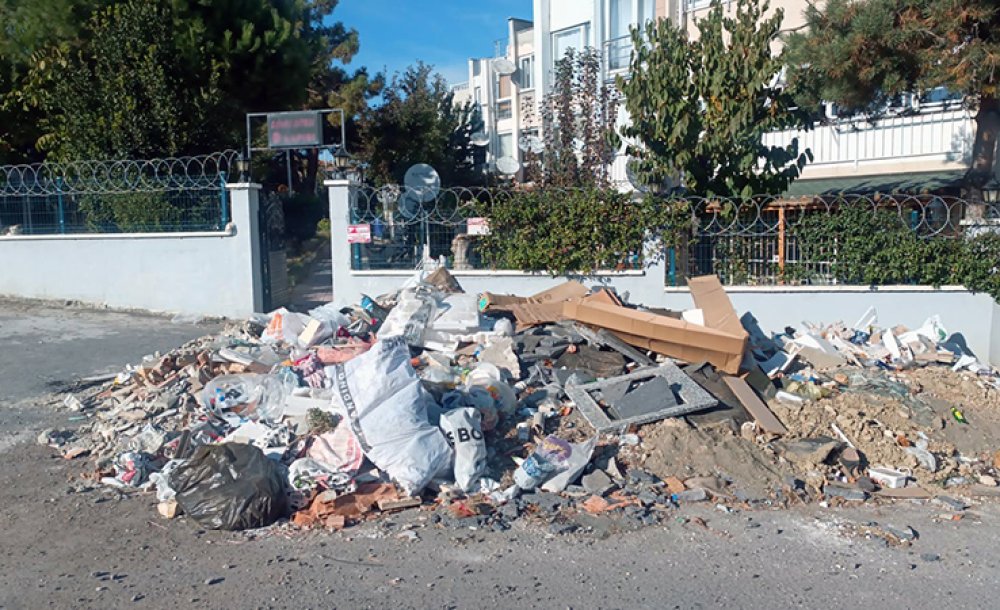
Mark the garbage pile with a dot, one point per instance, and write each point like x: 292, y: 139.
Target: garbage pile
x: 488, y: 408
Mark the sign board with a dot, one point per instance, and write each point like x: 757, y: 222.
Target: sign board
x: 359, y: 234
x: 294, y: 130
x: 478, y: 226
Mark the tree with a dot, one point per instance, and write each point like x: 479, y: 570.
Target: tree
x: 104, y: 81
x: 419, y: 122
x: 861, y: 54
x: 578, y: 120
x: 30, y: 27
x: 129, y: 92
x: 700, y: 108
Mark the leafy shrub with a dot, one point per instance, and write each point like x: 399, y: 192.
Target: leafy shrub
x: 576, y: 231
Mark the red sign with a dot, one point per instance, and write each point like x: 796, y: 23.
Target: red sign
x: 359, y: 234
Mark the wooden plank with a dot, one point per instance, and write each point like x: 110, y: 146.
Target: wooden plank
x: 755, y: 406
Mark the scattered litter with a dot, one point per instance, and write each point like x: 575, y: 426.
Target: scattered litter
x: 496, y: 407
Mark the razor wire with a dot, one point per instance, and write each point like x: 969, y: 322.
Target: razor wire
x: 746, y: 240
x: 115, y: 177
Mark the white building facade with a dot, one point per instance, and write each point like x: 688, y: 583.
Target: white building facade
x: 928, y: 136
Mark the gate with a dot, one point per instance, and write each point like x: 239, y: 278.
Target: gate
x: 273, y: 261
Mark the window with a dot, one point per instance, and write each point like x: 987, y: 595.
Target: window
x: 504, y: 111
x: 503, y: 87
x: 527, y: 72
x: 478, y: 93
x: 621, y: 18
x: 563, y: 41
x: 505, y: 146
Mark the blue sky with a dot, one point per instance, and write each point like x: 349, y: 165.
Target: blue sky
x: 444, y: 33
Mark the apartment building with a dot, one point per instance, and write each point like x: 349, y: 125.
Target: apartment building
x: 503, y: 87
x: 922, y: 143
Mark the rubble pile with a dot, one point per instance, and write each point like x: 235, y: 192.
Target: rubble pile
x: 491, y: 408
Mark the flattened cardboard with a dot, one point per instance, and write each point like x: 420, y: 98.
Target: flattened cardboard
x: 767, y: 421
x: 718, y: 311
x: 503, y: 302
x: 541, y: 308
x: 667, y: 336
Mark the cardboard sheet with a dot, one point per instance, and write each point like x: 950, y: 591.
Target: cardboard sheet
x: 667, y: 336
x: 767, y: 420
x: 541, y: 308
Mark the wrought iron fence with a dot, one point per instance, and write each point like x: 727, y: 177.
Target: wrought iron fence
x: 767, y: 240
x: 157, y: 195
x: 410, y: 227
x: 759, y: 241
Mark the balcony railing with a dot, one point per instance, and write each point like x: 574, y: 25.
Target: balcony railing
x: 931, y: 135
x: 618, y: 54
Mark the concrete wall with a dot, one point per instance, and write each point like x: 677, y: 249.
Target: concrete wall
x: 213, y: 274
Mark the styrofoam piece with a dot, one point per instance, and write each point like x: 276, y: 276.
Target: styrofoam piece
x: 777, y: 363
x: 457, y: 313
x: 693, y: 396
x: 816, y: 342
x: 694, y: 316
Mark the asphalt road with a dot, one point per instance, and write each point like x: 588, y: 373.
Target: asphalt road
x: 92, y: 549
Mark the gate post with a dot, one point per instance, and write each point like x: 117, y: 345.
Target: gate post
x: 244, y: 201
x: 341, y: 193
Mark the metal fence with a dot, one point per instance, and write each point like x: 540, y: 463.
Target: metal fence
x: 758, y: 241
x: 768, y: 241
x: 159, y: 195
x: 405, y: 228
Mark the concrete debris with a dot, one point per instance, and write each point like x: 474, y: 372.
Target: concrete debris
x: 504, y: 394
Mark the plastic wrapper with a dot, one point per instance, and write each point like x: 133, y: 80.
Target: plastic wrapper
x: 383, y: 400
x: 284, y: 326
x: 463, y: 430
x: 231, y: 487
x: 549, y: 458
x: 412, y: 315
x: 250, y: 396
x: 338, y: 450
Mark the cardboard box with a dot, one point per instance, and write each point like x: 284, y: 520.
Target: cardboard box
x: 721, y: 341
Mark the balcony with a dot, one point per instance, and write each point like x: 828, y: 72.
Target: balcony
x: 929, y: 140
x: 617, y: 55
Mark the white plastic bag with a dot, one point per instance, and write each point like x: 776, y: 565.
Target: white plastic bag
x: 284, y: 326
x: 381, y: 396
x: 411, y: 316
x: 464, y: 432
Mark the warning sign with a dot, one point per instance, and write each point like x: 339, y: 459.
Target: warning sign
x: 359, y: 234
x: 478, y: 226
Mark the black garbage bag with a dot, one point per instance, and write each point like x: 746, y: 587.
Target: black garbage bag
x: 230, y: 487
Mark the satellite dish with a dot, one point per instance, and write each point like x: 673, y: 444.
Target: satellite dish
x: 504, y: 66
x: 508, y: 166
x: 536, y: 145
x: 422, y: 183
x: 480, y: 139
x: 524, y: 143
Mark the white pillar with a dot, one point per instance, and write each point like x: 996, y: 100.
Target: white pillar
x: 244, y: 199
x: 340, y: 194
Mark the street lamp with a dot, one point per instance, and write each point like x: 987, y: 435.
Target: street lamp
x: 342, y: 160
x: 991, y: 192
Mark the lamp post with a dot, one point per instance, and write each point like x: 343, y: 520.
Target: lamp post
x: 343, y: 161
x: 991, y: 192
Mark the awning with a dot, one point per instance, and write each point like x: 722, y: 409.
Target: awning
x: 916, y: 183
